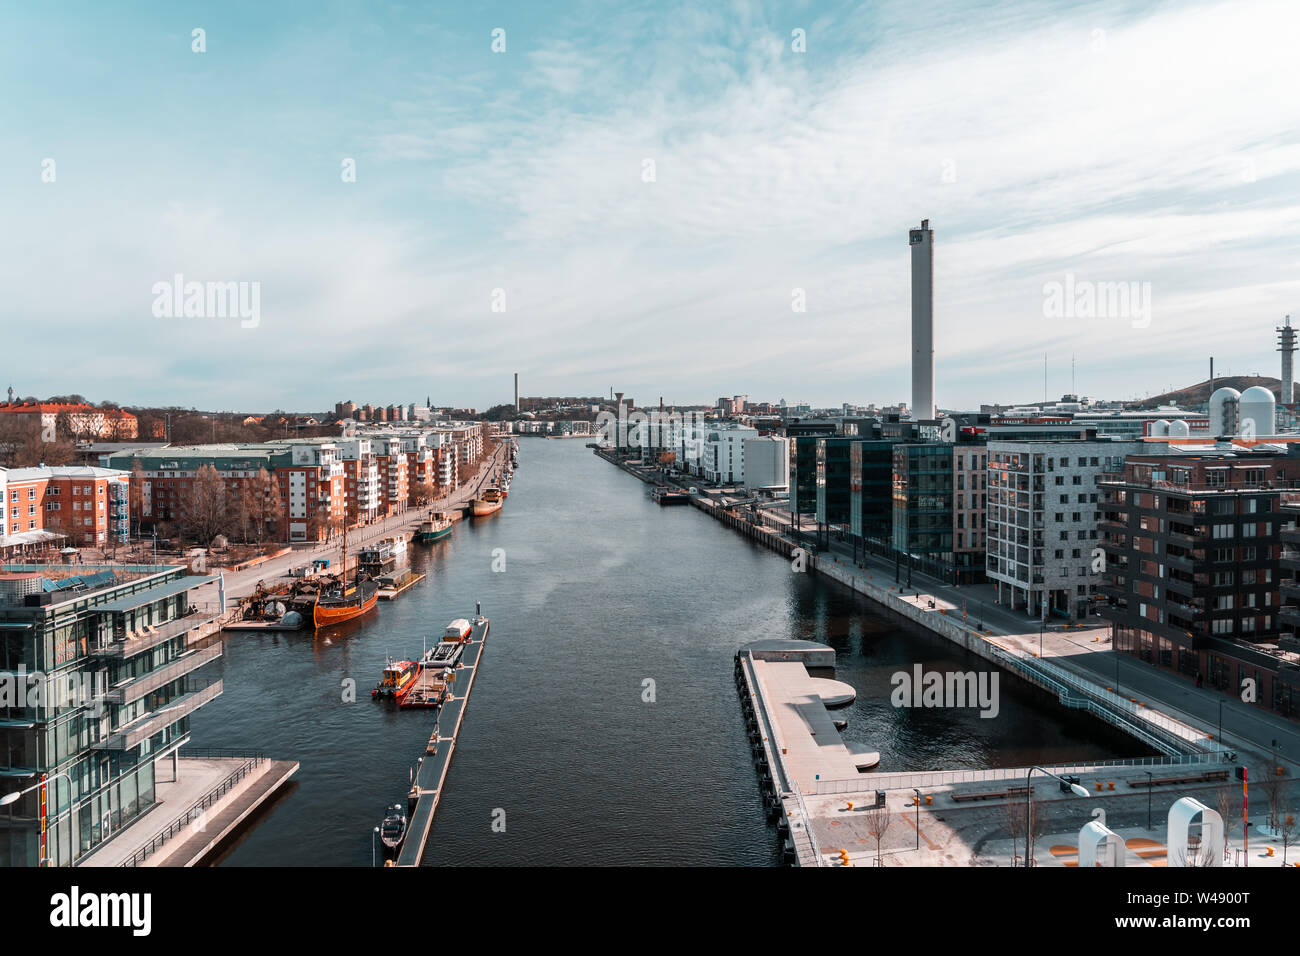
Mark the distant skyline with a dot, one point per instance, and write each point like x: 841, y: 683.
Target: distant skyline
x: 1049, y: 144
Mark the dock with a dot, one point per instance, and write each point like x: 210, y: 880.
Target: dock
x: 431, y: 774
x: 388, y: 593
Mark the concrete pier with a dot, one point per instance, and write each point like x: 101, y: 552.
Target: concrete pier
x: 431, y: 775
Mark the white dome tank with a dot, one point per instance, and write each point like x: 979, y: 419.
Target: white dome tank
x: 1257, y: 414
x: 1179, y: 429
x: 1223, y: 412
x: 1159, y: 428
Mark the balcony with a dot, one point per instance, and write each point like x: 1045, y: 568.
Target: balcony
x: 150, y: 724
x: 1289, y: 560
x: 134, y: 689
x: 144, y: 640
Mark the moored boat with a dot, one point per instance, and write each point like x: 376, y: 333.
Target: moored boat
x: 397, y: 675
x: 393, y: 831
x: 344, y: 602
x: 434, y: 528
x: 488, y: 503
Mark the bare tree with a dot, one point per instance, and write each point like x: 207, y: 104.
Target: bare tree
x: 1016, y: 824
x: 1227, y: 810
x: 879, y: 820
x: 265, y: 506
x: 1274, y: 786
x: 1286, y: 829
x: 204, y: 510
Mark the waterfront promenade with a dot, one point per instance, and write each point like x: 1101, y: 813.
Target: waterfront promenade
x: 243, y: 583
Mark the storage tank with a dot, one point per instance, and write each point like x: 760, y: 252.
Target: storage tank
x: 1160, y: 428
x: 1223, y: 412
x: 1257, y: 412
x: 1179, y: 429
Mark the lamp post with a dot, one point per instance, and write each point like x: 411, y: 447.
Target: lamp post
x: 13, y: 797
x: 1077, y: 790
x: 374, y: 837
x: 918, y: 818
x: 1220, y: 737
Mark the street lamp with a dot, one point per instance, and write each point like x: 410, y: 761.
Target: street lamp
x: 1077, y: 790
x: 10, y: 798
x: 374, y: 837
x: 1220, y: 737
x: 918, y: 817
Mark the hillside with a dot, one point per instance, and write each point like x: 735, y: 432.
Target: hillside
x: 1199, y: 393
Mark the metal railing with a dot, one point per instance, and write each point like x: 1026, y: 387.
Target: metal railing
x: 196, y: 812
x: 943, y: 778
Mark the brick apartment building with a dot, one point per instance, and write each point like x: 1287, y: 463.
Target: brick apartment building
x: 84, y: 505
x: 1193, y: 544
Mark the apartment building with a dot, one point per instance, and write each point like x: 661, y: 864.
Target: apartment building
x: 307, y: 475
x: 1043, y: 509
x: 75, y: 504
x: 722, y: 453
x: 110, y: 660
x: 75, y: 418
x: 1195, y: 565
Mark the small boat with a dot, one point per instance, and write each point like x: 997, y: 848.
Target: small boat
x: 393, y: 832
x: 489, y: 503
x: 397, y: 674
x: 447, y: 652
x: 434, y: 528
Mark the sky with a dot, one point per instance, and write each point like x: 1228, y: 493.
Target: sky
x: 677, y: 200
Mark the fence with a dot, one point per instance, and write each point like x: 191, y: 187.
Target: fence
x: 944, y: 778
x: 195, y: 812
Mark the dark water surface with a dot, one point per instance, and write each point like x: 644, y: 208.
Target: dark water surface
x: 602, y: 590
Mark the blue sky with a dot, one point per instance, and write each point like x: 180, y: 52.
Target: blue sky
x: 1136, y: 142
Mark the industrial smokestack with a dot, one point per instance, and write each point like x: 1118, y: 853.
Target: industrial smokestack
x: 516, y: 391
x: 922, y: 244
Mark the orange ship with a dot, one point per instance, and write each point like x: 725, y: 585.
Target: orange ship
x: 344, y: 603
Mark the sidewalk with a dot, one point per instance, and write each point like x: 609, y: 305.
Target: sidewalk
x: 1084, y: 649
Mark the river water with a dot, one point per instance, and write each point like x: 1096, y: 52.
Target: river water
x: 593, y: 591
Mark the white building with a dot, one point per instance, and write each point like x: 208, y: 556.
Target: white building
x: 1043, y: 509
x: 766, y: 463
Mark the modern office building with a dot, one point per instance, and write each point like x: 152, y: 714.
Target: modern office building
x: 1043, y: 512
x: 1195, y: 564
x: 833, y: 480
x: 108, y: 662
x: 871, y: 496
x: 803, y: 438
x: 922, y: 514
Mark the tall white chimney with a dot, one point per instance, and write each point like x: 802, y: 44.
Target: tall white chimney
x: 922, y: 243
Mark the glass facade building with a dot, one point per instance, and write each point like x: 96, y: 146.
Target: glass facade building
x: 922, y: 491
x: 97, y: 684
x: 871, y: 494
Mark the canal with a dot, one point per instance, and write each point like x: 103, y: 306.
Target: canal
x: 604, y: 726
